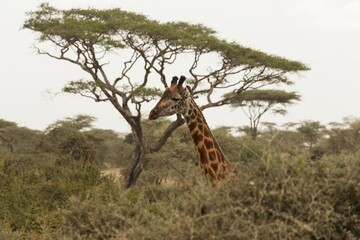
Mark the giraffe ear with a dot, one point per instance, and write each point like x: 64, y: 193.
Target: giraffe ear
x: 187, y: 92
x: 182, y: 79
x: 174, y: 80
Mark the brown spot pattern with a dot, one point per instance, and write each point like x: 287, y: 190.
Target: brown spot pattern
x: 212, y: 156
x: 208, y: 151
x: 207, y: 133
x: 214, y: 166
x: 202, y: 154
x: 192, y: 125
x: 201, y: 127
x: 208, y: 143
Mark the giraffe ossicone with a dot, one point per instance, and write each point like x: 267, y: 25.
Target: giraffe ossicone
x: 177, y: 99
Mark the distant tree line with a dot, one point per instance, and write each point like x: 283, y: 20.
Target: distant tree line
x: 77, y: 138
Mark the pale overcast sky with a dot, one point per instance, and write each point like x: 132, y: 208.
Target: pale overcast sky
x: 323, y: 34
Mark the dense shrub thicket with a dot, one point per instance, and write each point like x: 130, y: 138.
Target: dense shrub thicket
x: 34, y: 189
x: 270, y: 199
x: 280, y: 192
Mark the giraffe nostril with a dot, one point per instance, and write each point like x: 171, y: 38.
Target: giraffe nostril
x: 153, y: 114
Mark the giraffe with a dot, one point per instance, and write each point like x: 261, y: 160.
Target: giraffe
x: 177, y: 99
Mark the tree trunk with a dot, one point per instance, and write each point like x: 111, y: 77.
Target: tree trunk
x: 253, y: 130
x: 139, y: 161
x: 137, y: 165
x: 253, y: 133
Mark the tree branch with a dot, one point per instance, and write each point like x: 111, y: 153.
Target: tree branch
x: 162, y: 140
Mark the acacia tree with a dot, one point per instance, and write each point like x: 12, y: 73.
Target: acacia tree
x: 256, y: 102
x: 312, y: 131
x: 85, y: 37
x: 343, y: 136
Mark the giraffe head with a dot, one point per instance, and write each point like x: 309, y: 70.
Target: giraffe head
x: 173, y: 100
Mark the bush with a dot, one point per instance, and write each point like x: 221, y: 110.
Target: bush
x: 34, y: 187
x: 278, y: 194
x: 272, y: 198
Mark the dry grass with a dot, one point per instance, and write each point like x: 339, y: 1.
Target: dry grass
x: 114, y: 173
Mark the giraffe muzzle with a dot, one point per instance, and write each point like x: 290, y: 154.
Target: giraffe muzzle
x: 154, y: 114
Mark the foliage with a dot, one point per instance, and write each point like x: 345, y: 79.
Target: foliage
x: 79, y: 122
x: 5, y: 124
x: 34, y: 187
x: 18, y: 139
x: 100, y: 27
x: 111, y: 148
x: 287, y: 142
x: 65, y: 137
x: 175, y: 158
x: 268, y: 95
x: 271, y: 198
x: 238, y: 148
x: 311, y: 131
x: 72, y: 136
x: 279, y: 192
x: 343, y: 137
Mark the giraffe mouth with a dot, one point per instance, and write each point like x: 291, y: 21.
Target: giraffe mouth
x: 154, y: 114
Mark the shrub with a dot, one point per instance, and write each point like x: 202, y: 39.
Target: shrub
x: 271, y: 198
x: 274, y: 196
x: 34, y: 187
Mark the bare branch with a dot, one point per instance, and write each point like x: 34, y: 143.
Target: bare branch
x: 162, y: 140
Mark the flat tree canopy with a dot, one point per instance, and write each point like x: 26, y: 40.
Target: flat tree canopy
x: 263, y: 95
x: 115, y: 28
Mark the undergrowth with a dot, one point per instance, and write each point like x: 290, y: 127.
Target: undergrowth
x: 271, y: 198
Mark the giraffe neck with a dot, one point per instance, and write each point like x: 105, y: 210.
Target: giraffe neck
x: 209, y: 153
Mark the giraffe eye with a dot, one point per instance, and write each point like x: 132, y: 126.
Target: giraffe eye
x: 176, y: 98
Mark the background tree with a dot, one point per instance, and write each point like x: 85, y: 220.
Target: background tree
x: 85, y: 37
x: 343, y: 137
x: 111, y: 148
x: 67, y: 137
x: 271, y: 128
x: 5, y: 142
x: 285, y: 139
x: 17, y: 139
x: 76, y: 137
x: 256, y: 102
x: 312, y: 132
x: 79, y: 122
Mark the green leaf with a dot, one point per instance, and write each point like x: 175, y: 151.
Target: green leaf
x: 147, y: 92
x: 79, y: 86
x: 115, y: 28
x: 268, y: 95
